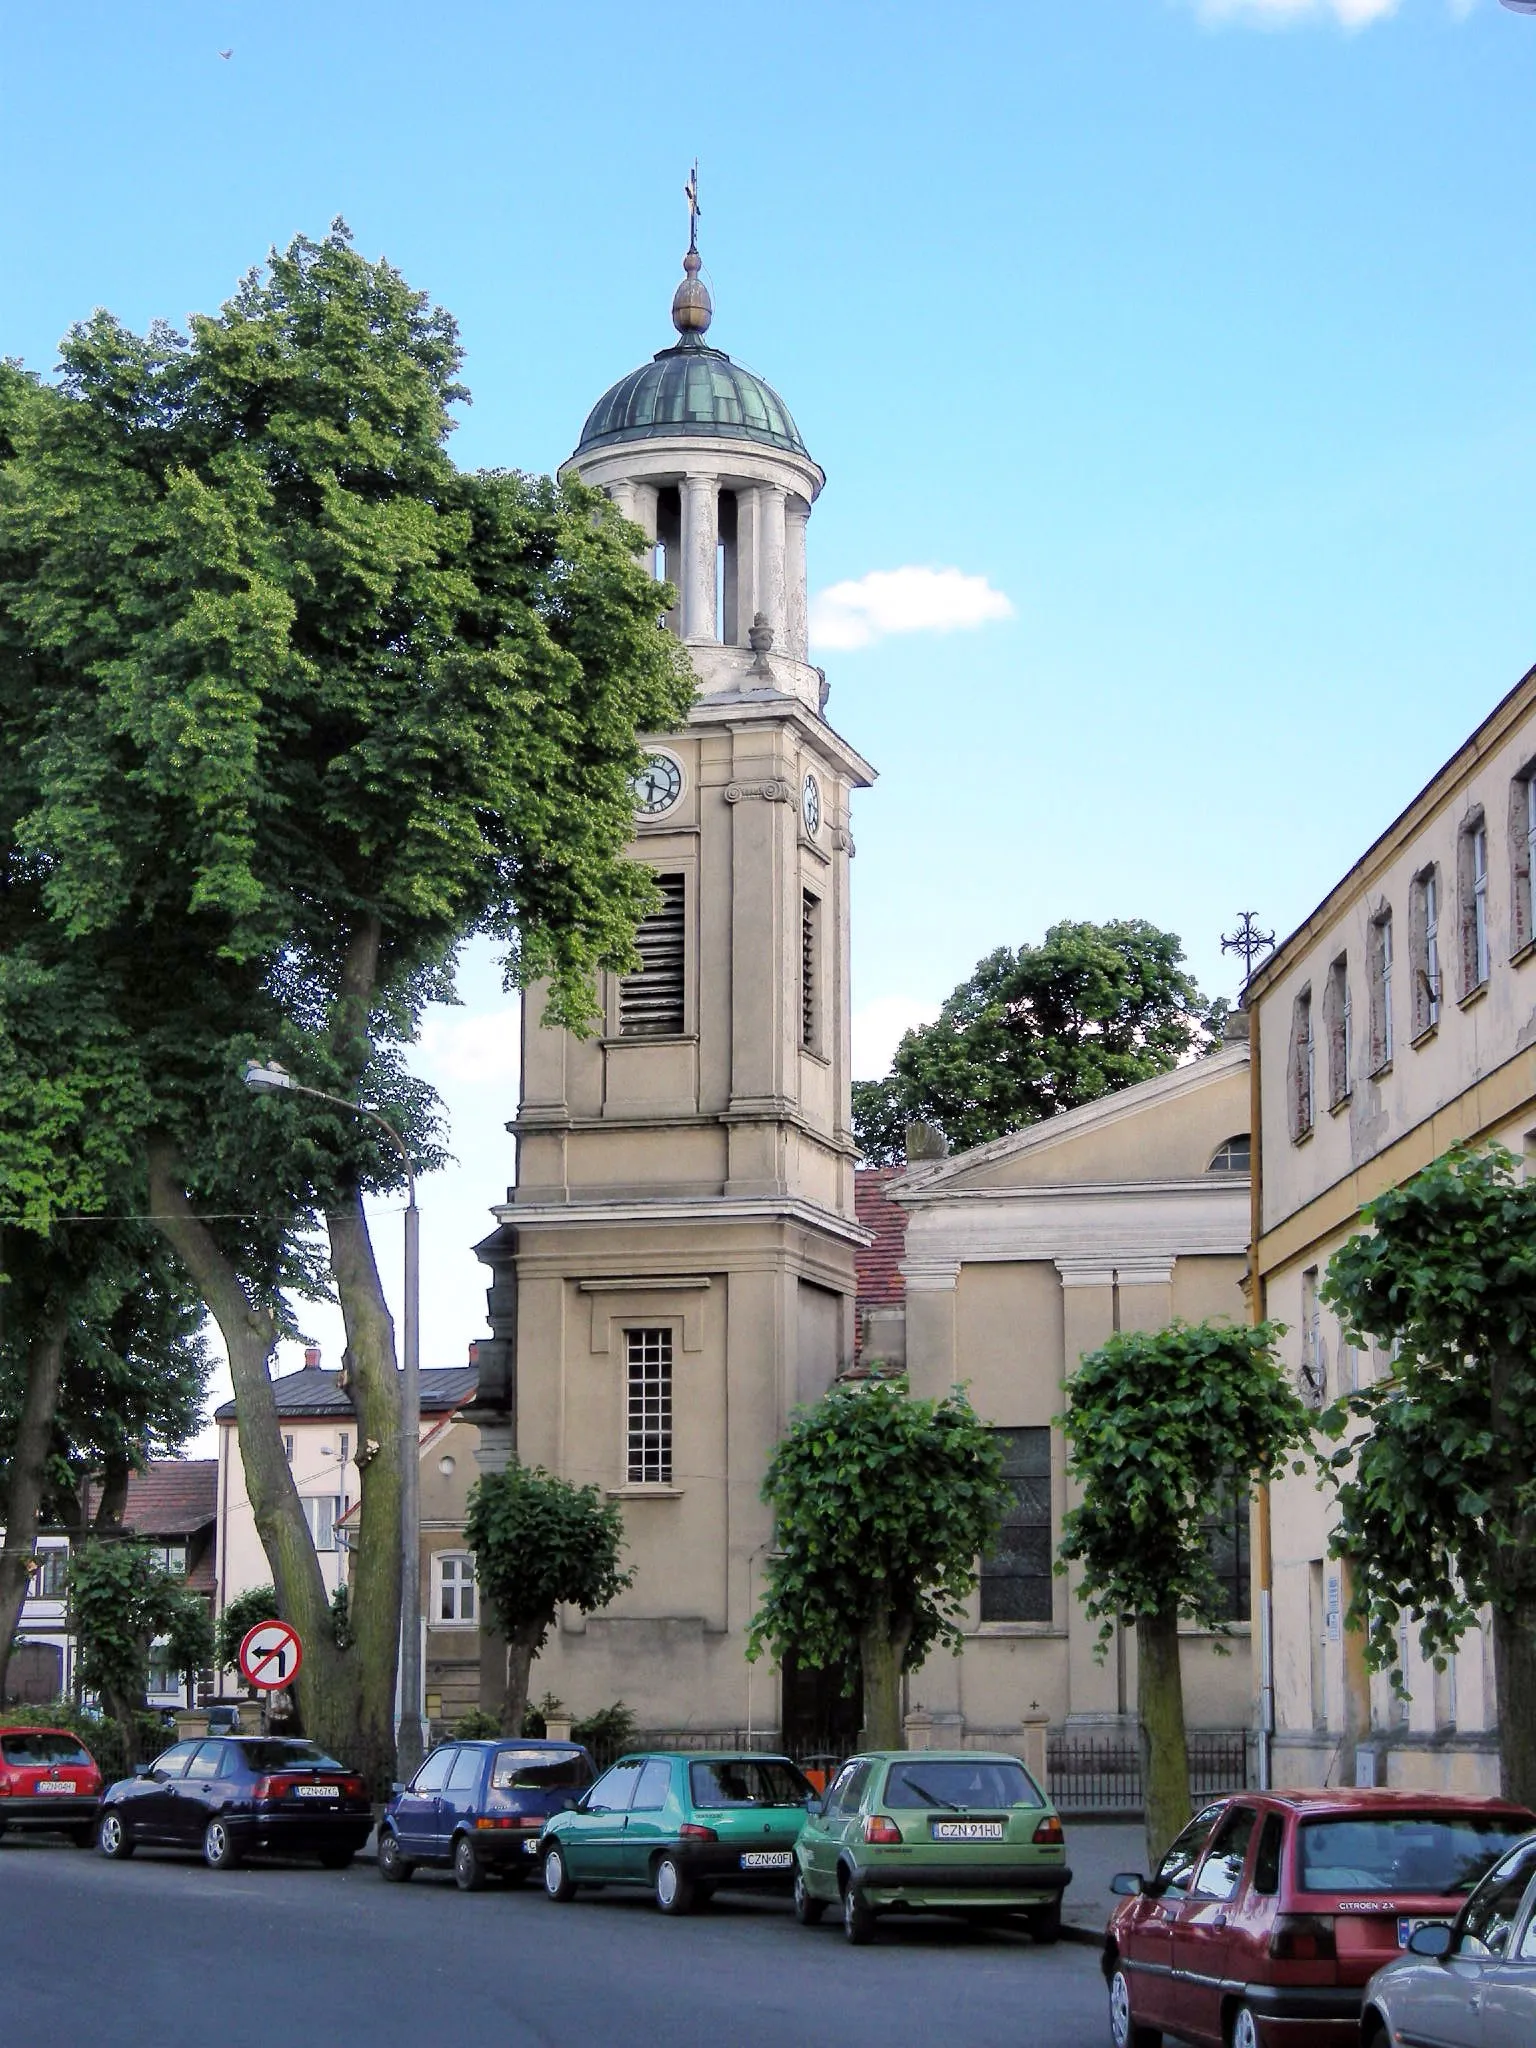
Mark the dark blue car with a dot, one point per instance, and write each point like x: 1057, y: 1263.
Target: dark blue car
x: 234, y: 1796
x: 478, y: 1806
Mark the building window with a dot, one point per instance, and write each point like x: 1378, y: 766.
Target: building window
x: 1235, y: 1156
x: 345, y: 1450
x: 651, y: 1001
x: 1314, y: 1360
x: 163, y: 1676
x: 288, y: 1448
x: 320, y: 1513
x: 1424, y: 949
x: 648, y: 1411
x: 1338, y: 1029
x: 47, y: 1580
x: 1381, y: 991
x: 1301, y: 1065
x: 1472, y: 878
x: 1226, y: 1540
x: 810, y: 952
x: 1016, y: 1574
x: 453, y: 1586
x: 1522, y: 846
x: 171, y: 1557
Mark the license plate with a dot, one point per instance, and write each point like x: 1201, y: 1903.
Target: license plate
x: 317, y: 1791
x: 1406, y: 1928
x: 968, y: 1830
x: 766, y: 1859
x: 531, y: 1846
x: 47, y: 1785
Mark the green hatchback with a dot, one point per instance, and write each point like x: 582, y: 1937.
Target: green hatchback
x: 684, y: 1826
x: 932, y: 1831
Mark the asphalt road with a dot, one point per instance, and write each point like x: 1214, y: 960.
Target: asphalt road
x: 161, y: 1953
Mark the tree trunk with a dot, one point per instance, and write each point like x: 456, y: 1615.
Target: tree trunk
x: 1164, y: 1753
x: 1514, y: 1614
x: 326, y: 1690
x: 373, y: 1600
x: 882, y: 1650
x: 113, y: 1503
x: 523, y: 1646
x: 29, y: 1466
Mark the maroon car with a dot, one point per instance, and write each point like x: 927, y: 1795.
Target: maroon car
x: 1271, y: 1910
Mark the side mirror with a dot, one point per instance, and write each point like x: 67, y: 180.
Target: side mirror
x: 1434, y: 1940
x: 396, y: 1789
x: 1128, y: 1884
x: 143, y: 1770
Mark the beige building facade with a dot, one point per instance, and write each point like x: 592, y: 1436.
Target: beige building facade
x: 1398, y: 1020
x: 1020, y: 1256
x: 673, y: 1270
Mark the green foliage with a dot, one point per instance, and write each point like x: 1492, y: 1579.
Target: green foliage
x: 1435, y: 1510
x: 541, y: 1543
x: 122, y: 1601
x: 246, y: 1611
x: 475, y: 1726
x: 1160, y: 1425
x: 1037, y: 1031
x: 883, y: 1505
x: 537, y: 1714
x: 608, y: 1732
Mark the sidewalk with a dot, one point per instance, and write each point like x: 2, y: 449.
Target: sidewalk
x: 1096, y: 1849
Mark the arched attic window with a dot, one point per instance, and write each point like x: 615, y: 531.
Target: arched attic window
x: 1235, y: 1156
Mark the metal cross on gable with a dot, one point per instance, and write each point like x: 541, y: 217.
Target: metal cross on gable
x: 691, y: 194
x: 1247, y: 940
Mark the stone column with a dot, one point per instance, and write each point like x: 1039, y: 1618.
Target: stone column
x: 749, y: 526
x: 796, y: 638
x: 701, y: 500
x: 623, y: 497
x: 770, y: 557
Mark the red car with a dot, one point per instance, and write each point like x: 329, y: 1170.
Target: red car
x: 1271, y: 1910
x: 47, y: 1780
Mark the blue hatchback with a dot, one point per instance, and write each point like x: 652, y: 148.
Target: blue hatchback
x: 478, y: 1806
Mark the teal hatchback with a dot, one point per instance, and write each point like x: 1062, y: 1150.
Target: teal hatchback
x: 682, y: 1826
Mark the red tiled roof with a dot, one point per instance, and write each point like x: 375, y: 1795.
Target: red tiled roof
x: 879, y: 1264
x: 174, y: 1497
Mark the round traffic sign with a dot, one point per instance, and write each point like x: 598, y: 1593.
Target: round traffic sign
x: 270, y: 1655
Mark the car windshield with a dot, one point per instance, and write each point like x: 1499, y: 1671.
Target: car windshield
x: 956, y: 1787
x: 1402, y: 1852
x: 538, y: 1770
x: 43, y: 1747
x: 288, y: 1756
x: 743, y: 1783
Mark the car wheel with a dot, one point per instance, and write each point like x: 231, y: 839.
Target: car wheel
x: 858, y: 1916
x: 557, y: 1879
x: 113, y: 1838
x: 674, y: 1887
x: 468, y: 1870
x: 219, y: 1850
x: 1124, y: 2030
x: 808, y: 1911
x: 1245, y: 2028
x: 393, y: 1866
x: 1044, y: 1923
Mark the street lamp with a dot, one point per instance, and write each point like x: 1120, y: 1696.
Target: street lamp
x: 268, y: 1078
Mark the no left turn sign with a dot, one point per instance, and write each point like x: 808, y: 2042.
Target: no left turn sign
x: 270, y: 1655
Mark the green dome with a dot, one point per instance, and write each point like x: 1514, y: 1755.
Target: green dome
x: 691, y: 389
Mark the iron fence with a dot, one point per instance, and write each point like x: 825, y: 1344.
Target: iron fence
x: 1102, y: 1774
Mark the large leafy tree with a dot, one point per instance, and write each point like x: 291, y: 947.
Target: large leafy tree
x: 289, y: 706
x: 883, y: 1506
x: 1035, y: 1031
x: 540, y: 1544
x: 1162, y: 1426
x: 1437, y: 1504
x: 124, y: 1601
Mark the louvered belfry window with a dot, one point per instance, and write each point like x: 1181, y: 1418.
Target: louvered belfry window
x: 651, y: 1002
x: 810, y: 915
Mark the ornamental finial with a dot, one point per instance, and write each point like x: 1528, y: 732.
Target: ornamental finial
x: 692, y: 309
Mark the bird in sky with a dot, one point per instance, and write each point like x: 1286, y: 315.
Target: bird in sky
x: 226, y: 54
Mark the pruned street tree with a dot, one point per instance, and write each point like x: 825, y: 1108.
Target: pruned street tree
x: 289, y: 708
x: 1163, y: 1427
x: 122, y: 1602
x: 883, y: 1506
x: 1437, y: 1463
x: 1036, y: 1031
x: 540, y: 1544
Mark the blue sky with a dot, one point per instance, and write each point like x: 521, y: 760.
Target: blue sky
x: 1201, y: 333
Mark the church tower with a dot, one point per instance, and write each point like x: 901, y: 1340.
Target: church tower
x: 673, y: 1271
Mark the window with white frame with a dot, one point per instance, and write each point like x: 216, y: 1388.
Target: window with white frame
x: 1424, y: 950
x: 163, y: 1675
x: 1472, y: 878
x: 1381, y: 991
x: 288, y: 1448
x: 48, y: 1577
x: 1301, y: 1066
x: 1522, y: 854
x: 320, y: 1513
x: 1314, y: 1362
x: 1339, y: 1029
x: 453, y: 1587
x: 648, y: 1407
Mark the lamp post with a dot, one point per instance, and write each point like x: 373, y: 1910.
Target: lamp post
x: 270, y: 1078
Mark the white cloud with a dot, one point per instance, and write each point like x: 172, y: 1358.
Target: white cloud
x: 473, y: 1047
x: 1350, y: 13
x: 877, y: 1030
x: 910, y: 600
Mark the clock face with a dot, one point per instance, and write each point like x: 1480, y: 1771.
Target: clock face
x: 810, y: 803
x: 658, y: 785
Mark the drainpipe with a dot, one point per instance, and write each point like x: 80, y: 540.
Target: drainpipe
x: 1263, y: 1546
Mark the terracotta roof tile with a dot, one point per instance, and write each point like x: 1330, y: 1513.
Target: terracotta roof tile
x: 880, y: 1284
x: 174, y: 1497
